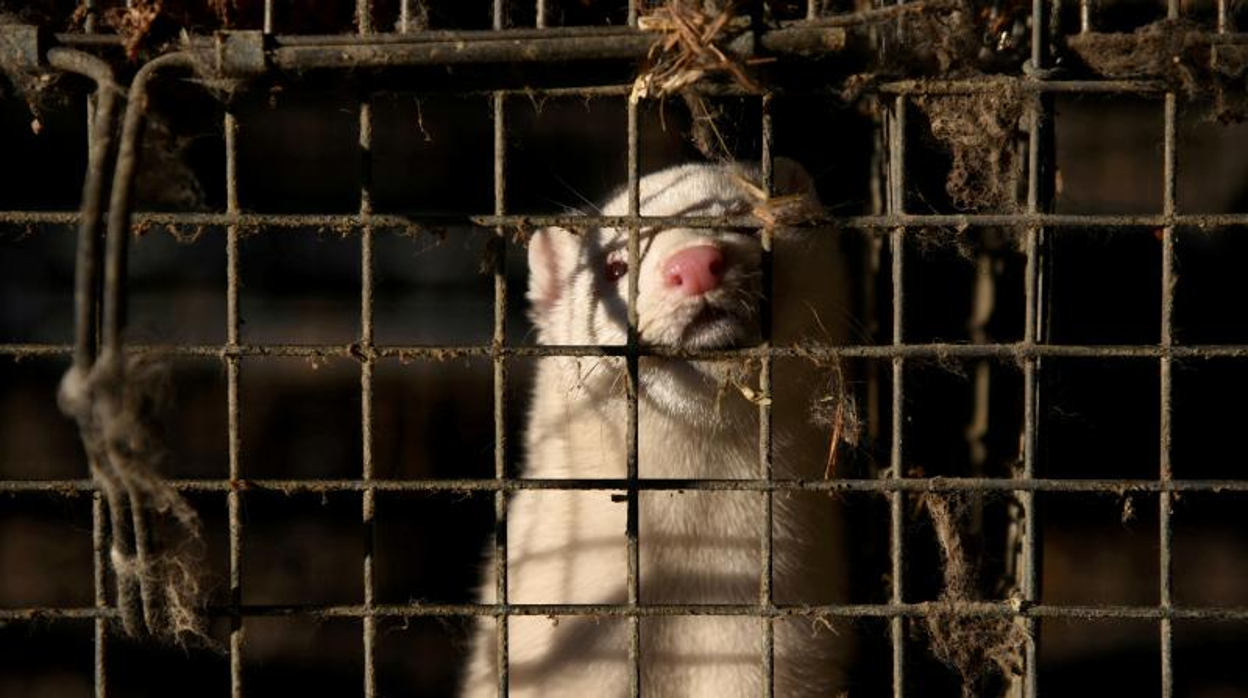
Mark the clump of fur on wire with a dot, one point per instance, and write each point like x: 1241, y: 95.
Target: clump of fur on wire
x: 973, y: 646
x: 156, y: 542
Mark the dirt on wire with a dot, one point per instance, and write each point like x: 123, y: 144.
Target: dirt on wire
x: 1180, y: 52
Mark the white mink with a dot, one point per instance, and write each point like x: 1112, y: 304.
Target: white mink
x: 698, y: 289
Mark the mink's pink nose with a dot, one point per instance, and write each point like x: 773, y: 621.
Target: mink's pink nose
x: 694, y: 270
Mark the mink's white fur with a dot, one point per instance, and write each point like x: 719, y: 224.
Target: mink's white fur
x: 696, y: 547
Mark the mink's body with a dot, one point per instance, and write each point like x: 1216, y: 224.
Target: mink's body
x: 697, y: 289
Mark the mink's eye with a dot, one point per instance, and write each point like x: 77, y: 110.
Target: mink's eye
x: 616, y: 269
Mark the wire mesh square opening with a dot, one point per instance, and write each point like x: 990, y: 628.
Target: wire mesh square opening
x: 1109, y: 431
x: 29, y: 407
x: 277, y: 399
x: 294, y: 548
x: 411, y: 537
x: 1202, y: 264
x: 1100, y: 550
x: 313, y: 301
x: 55, y: 660
x: 433, y: 419
x: 50, y: 537
x: 36, y: 273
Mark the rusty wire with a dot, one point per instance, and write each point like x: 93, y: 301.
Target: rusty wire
x: 1005, y: 351
x: 880, y: 225
x: 976, y: 609
x: 109, y: 395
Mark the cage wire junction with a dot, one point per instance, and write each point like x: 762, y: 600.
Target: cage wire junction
x: 226, y: 60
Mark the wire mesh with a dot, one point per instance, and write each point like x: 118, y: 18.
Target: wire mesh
x: 896, y: 224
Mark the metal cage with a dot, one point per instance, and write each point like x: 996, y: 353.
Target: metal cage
x: 568, y: 62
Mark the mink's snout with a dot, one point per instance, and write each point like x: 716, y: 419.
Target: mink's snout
x: 701, y: 291
x: 694, y: 271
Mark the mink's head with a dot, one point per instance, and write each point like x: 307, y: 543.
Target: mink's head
x: 698, y: 288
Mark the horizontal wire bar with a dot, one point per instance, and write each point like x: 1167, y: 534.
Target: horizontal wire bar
x: 587, y: 34
x: 815, y: 352
x: 964, y: 86
x: 588, y: 39
x: 965, y: 609
x: 882, y: 224
x: 557, y: 44
x: 1115, y: 486
x: 544, y: 46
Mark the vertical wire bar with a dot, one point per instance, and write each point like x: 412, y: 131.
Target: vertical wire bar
x: 1039, y: 193
x: 1224, y: 18
x: 99, y: 549
x: 405, y: 16
x: 500, y: 383
x: 500, y: 380
x: 812, y: 9
x: 631, y: 436
x: 765, y: 460
x: 232, y: 373
x: 99, y: 544
x: 1029, y: 566
x: 364, y: 18
x: 366, y: 395
x: 1027, y: 502
x: 896, y: 500
x: 1085, y: 16
x: 268, y: 16
x: 1165, y: 498
x: 632, y: 13
x: 1028, y: 582
x: 540, y: 14
x: 871, y: 260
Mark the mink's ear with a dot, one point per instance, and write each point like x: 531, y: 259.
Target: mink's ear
x: 551, y: 256
x: 791, y: 178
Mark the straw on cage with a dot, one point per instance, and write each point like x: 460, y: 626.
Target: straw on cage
x: 690, y: 48
x: 838, y: 412
x: 134, y: 23
x: 144, y: 24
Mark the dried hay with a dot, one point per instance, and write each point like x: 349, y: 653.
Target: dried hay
x: 152, y: 25
x: 689, y: 49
